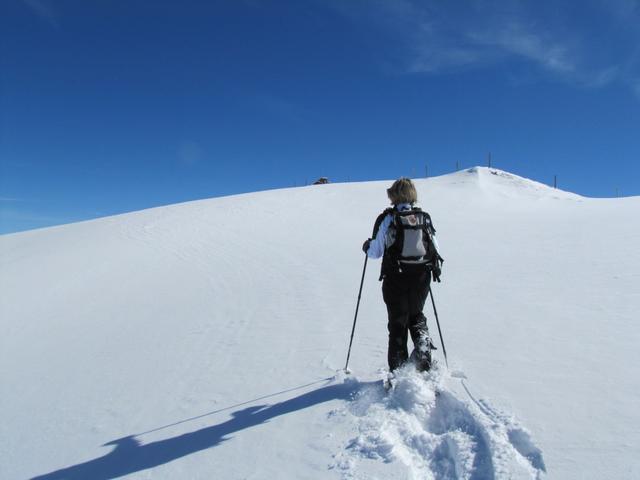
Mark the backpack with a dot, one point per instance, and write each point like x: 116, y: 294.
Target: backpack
x: 413, y: 243
x: 409, y: 242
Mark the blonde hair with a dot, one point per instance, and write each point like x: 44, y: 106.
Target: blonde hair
x: 402, y: 191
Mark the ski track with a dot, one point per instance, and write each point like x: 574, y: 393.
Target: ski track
x: 441, y: 436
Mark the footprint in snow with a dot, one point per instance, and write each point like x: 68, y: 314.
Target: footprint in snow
x: 439, y: 436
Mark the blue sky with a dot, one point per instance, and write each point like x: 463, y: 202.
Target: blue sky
x: 109, y: 107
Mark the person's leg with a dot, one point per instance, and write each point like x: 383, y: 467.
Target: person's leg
x: 397, y: 353
x: 396, y: 300
x: 421, y: 354
x: 417, y: 322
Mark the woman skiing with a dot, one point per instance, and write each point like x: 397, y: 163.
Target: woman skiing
x: 404, y: 237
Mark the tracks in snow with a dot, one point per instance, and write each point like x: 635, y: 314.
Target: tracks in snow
x: 448, y: 435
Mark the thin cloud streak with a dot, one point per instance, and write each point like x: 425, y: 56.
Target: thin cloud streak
x: 495, y: 43
x: 538, y: 47
x: 438, y: 37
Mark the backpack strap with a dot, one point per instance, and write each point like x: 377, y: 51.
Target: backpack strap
x: 376, y: 228
x: 399, y: 233
x: 432, y: 229
x: 379, y: 220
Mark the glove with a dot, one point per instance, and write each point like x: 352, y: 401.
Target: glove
x: 436, y: 269
x: 365, y: 245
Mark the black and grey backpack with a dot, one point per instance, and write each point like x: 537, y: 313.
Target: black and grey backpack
x: 409, y: 241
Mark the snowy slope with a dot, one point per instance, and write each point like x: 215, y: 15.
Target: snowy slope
x: 202, y: 340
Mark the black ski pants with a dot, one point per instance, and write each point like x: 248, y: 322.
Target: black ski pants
x: 404, y: 295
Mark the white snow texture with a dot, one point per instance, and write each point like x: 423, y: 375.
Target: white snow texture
x: 202, y: 340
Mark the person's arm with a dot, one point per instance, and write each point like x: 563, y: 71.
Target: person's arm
x: 435, y: 242
x: 436, y: 267
x: 377, y: 243
x: 432, y: 231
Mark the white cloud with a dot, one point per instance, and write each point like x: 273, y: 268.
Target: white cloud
x: 436, y: 37
x: 538, y: 47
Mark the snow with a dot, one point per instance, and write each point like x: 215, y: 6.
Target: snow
x: 426, y: 425
x: 205, y: 339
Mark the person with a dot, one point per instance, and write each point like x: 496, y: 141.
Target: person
x: 404, y: 237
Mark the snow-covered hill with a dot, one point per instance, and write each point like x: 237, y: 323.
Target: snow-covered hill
x: 202, y: 340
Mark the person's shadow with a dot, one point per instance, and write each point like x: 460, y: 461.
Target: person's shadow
x: 129, y: 456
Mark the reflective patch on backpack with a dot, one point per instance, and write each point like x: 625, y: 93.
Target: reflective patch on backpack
x: 414, y: 244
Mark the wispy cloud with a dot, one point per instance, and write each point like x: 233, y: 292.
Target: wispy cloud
x: 44, y: 10
x: 434, y: 37
x: 32, y: 213
x: 538, y: 46
x: 15, y: 220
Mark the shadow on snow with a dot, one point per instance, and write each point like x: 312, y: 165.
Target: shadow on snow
x: 130, y: 456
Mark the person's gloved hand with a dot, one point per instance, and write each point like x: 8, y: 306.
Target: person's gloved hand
x: 436, y: 269
x: 365, y: 245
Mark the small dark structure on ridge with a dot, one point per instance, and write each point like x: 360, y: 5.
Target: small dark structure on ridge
x: 321, y: 181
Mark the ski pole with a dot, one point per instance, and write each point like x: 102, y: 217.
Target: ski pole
x: 353, y: 329
x: 435, y: 312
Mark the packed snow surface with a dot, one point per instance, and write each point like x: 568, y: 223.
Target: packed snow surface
x: 205, y: 340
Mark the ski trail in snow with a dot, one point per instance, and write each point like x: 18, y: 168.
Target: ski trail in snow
x: 518, y: 436
x: 435, y: 432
